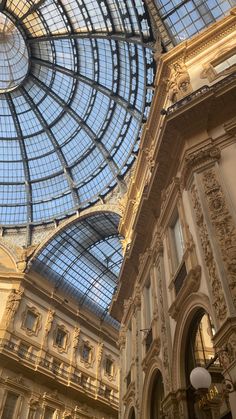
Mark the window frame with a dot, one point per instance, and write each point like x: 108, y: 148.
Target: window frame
x: 17, y: 403
x: 37, y: 323
x: 61, y: 328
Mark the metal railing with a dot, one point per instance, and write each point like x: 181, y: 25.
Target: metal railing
x: 55, y: 367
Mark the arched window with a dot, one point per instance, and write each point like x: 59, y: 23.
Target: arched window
x: 200, y: 345
x: 199, y: 352
x: 157, y: 395
x: 132, y: 413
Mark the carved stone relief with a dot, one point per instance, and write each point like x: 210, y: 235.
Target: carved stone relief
x: 12, y: 305
x: 224, y: 226
x: 179, y: 84
x: 164, y: 337
x: 48, y: 324
x: 218, y: 299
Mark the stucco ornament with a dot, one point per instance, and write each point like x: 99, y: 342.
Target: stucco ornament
x: 48, y: 324
x: 13, y: 302
x: 99, y: 352
x: 23, y: 256
x: 179, y: 82
x: 218, y: 299
x: 76, y: 336
x: 224, y: 226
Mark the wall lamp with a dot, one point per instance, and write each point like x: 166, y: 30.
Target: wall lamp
x: 201, y: 380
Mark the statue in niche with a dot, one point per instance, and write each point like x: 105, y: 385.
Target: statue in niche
x: 12, y: 304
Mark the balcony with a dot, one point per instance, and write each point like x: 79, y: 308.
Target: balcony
x: 51, y: 367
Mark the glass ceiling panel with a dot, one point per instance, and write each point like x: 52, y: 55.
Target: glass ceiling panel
x: 185, y: 18
x: 84, y: 261
x: 72, y: 116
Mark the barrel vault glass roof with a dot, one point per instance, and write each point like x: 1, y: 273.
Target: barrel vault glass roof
x: 70, y: 125
x: 83, y: 261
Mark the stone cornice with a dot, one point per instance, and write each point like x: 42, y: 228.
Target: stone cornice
x: 195, y: 115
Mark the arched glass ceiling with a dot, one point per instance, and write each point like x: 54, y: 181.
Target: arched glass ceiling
x: 185, y: 18
x: 71, y: 125
x: 84, y: 261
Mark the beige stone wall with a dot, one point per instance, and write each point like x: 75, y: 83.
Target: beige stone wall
x: 34, y: 366
x: 34, y: 397
x: 186, y: 169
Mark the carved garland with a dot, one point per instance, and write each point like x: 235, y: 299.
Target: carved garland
x: 224, y: 226
x: 217, y: 292
x: 164, y: 338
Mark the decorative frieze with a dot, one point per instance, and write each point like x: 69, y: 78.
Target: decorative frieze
x: 164, y: 336
x: 218, y: 299
x: 196, y: 160
x: 224, y: 226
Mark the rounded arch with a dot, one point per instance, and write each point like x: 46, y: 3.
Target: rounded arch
x: 83, y: 261
x: 154, y: 368
x: 193, y: 303
x: 98, y: 209
x: 7, y: 259
x: 130, y: 411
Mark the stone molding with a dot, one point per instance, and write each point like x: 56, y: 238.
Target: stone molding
x: 196, y: 161
x: 217, y: 294
x: 63, y: 349
x: 153, y: 352
x: 191, y: 285
x: 224, y: 226
x: 38, y: 321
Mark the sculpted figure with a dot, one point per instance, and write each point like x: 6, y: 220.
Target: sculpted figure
x: 179, y: 83
x: 12, y: 304
x: 49, y: 322
x: 75, y: 341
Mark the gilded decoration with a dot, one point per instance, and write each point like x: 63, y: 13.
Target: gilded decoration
x: 218, y: 299
x: 37, y: 323
x: 224, y: 226
x: 179, y: 84
x: 12, y: 305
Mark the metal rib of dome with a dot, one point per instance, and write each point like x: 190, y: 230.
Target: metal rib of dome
x: 185, y: 18
x: 83, y: 260
x: 68, y: 132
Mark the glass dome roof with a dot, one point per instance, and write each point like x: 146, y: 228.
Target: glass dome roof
x: 83, y: 261
x: 73, y: 97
